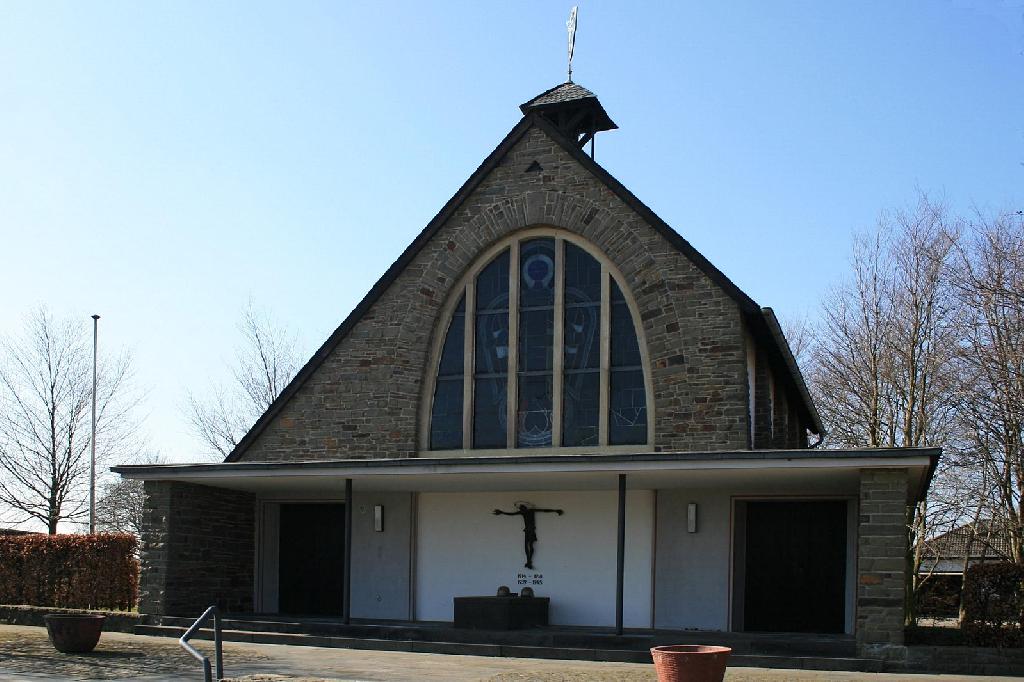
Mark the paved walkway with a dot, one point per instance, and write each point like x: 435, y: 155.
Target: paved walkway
x: 25, y: 654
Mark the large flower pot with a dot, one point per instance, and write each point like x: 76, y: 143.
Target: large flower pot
x: 74, y: 633
x: 690, y: 662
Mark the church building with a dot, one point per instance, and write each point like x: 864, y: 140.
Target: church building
x: 549, y: 388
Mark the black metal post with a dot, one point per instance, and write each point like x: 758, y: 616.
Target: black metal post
x: 218, y: 644
x: 347, y: 588
x: 620, y: 561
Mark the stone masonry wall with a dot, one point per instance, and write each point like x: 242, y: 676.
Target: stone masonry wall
x: 363, y: 402
x: 881, y: 559
x: 198, y: 548
x: 762, y: 402
x: 780, y: 417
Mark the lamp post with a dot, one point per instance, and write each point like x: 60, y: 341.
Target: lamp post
x: 92, y: 458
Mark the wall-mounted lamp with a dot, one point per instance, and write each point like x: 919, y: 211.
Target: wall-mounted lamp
x: 378, y: 518
x: 691, y: 517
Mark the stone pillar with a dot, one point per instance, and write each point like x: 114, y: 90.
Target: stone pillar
x: 881, y: 562
x: 153, y: 547
x: 198, y: 549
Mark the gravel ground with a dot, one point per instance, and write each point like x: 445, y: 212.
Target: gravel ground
x: 27, y: 651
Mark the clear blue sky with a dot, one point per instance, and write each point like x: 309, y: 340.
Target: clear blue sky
x: 163, y: 162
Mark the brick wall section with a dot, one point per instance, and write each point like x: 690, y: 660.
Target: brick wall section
x: 881, y: 558
x: 198, y: 548
x: 363, y: 402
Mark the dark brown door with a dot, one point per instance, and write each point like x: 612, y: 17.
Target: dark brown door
x: 795, y: 573
x: 311, y: 553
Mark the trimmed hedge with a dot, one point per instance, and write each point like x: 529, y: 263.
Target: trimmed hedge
x: 70, y: 571
x: 994, y: 605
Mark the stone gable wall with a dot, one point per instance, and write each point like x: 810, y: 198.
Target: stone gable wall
x: 363, y: 401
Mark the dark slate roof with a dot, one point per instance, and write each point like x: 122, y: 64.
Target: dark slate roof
x: 560, y: 94
x: 571, y: 98
x: 761, y: 320
x: 987, y: 537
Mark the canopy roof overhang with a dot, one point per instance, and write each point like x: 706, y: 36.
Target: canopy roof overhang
x: 767, y: 469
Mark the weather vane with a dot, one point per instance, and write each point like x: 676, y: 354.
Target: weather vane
x: 571, y: 25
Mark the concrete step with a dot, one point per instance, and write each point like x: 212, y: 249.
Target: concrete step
x: 507, y: 650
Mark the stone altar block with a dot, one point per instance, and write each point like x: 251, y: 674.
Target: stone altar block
x: 501, y: 613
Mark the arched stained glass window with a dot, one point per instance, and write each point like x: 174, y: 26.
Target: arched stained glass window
x: 541, y: 351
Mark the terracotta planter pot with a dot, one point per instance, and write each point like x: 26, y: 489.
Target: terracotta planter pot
x: 690, y: 662
x: 74, y: 633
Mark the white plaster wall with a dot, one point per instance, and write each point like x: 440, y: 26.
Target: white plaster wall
x: 380, y: 560
x: 693, y: 568
x: 463, y: 549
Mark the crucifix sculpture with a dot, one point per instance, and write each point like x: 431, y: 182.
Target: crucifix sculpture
x: 529, y: 515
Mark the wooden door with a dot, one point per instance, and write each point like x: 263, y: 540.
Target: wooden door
x: 795, y: 568
x: 311, y: 555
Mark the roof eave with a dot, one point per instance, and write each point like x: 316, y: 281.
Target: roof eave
x: 870, y: 457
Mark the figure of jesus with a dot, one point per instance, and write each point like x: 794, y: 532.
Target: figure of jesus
x: 529, y: 515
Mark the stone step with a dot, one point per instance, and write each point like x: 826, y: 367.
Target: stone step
x: 431, y: 633
x: 507, y: 650
x: 741, y: 643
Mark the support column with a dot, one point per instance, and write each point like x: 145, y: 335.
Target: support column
x: 881, y: 561
x: 347, y: 587
x: 620, y: 561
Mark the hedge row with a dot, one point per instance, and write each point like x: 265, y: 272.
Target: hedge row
x: 70, y: 571
x: 994, y: 605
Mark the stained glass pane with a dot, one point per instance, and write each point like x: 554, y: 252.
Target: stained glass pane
x: 491, y: 361
x: 582, y: 276
x: 537, y: 273
x: 452, y: 353
x: 625, y: 351
x: 492, y: 285
x: 582, y: 322
x: 627, y: 414
x: 582, y: 337
x: 536, y: 337
x: 489, y: 417
x: 534, y: 413
x: 581, y: 408
x: 616, y: 292
x: 491, y: 343
x: 492, y: 317
x: 446, y: 418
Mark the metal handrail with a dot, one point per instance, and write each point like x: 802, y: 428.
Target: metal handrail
x: 205, y: 660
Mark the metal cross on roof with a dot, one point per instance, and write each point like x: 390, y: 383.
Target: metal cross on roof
x: 571, y: 26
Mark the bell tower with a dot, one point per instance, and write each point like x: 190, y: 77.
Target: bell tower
x: 574, y: 110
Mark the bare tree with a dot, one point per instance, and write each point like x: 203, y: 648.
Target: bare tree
x: 45, y: 435
x: 122, y: 504
x: 884, y: 368
x: 989, y: 281
x: 121, y: 507
x: 799, y: 334
x: 265, y: 363
x: 884, y: 361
